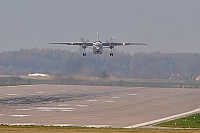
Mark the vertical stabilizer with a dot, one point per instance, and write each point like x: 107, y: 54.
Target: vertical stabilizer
x: 97, y: 36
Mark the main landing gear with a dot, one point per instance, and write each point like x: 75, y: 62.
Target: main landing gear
x: 111, y: 53
x: 84, y: 54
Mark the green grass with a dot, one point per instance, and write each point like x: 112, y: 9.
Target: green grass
x: 43, y: 129
x: 192, y: 121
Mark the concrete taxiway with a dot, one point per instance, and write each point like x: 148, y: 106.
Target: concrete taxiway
x: 94, y: 106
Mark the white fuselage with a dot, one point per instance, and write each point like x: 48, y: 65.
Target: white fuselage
x: 97, y: 47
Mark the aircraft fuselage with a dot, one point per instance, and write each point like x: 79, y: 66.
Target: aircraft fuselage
x: 97, y: 47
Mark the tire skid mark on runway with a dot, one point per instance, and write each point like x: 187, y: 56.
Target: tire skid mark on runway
x: 35, y: 99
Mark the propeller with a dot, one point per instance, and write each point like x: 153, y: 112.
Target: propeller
x: 111, y: 42
x: 84, y: 42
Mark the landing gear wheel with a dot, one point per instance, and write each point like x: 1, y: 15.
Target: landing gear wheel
x: 111, y: 54
x: 84, y: 54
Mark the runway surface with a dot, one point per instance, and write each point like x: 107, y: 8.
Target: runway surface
x: 93, y: 106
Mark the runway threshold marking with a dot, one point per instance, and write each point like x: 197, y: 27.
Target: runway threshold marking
x: 164, y: 119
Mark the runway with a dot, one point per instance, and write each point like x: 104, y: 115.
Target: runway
x: 93, y: 106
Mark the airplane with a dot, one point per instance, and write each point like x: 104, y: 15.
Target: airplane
x: 97, y: 45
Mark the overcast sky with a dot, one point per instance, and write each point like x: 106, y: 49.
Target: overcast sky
x: 170, y: 26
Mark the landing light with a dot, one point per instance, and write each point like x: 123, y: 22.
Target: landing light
x: 123, y: 43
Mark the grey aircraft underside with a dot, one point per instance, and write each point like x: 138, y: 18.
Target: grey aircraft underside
x: 97, y: 45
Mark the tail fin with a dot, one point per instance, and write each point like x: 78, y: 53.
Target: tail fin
x: 97, y: 36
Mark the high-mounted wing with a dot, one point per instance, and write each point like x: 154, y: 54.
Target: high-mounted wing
x: 121, y: 44
x: 74, y: 43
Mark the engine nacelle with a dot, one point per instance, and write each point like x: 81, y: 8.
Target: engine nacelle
x: 84, y: 45
x: 111, y: 45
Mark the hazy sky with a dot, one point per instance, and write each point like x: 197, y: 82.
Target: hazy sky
x: 165, y: 25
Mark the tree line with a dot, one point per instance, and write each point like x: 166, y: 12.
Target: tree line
x: 154, y: 65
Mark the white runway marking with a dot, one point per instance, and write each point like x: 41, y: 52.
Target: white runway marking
x: 1, y: 114
x: 66, y: 110
x: 164, y: 119
x: 81, y: 105
x: 11, y: 94
x: 23, y: 109
x: 133, y: 94
x: 22, y: 124
x: 62, y: 125
x: 92, y: 100
x: 39, y: 92
x: 98, y: 126
x: 63, y: 105
x: 19, y: 115
x: 115, y: 97
x: 45, y: 110
x: 54, y: 108
x: 108, y: 101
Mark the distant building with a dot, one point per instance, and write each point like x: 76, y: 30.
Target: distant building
x: 198, y: 78
x: 38, y: 74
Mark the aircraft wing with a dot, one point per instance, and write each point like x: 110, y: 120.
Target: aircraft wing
x: 73, y: 43
x: 122, y: 44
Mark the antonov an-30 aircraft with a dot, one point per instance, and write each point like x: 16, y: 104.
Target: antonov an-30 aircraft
x: 97, y: 45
